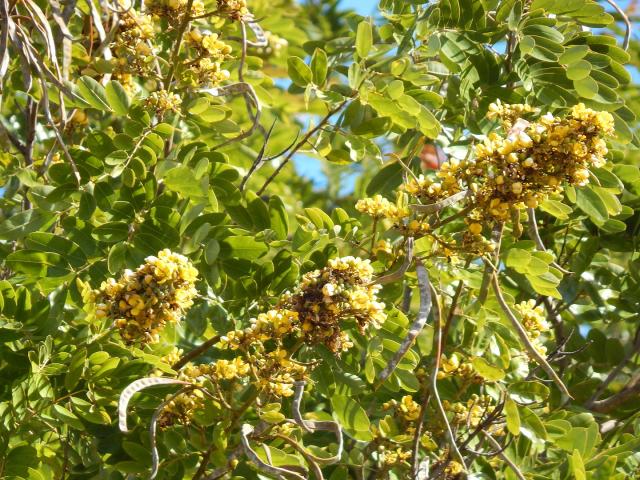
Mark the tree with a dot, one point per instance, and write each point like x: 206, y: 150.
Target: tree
x: 177, y: 302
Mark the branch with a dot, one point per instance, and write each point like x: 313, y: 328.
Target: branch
x: 434, y: 376
x: 524, y: 338
x: 488, y: 268
x: 503, y: 456
x: 196, y: 352
x: 300, y: 144
x: 534, y: 233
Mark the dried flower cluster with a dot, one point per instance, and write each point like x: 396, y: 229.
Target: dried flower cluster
x: 143, y: 301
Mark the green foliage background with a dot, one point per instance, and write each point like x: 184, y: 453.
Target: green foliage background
x: 361, y: 95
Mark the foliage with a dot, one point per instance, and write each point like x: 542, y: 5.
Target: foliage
x: 176, y: 301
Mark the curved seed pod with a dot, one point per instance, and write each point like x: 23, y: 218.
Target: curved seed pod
x: 416, y: 327
x: 261, y: 38
x: 447, y: 202
x: 155, y: 458
x: 134, y: 388
x: 313, y: 426
x: 398, y: 274
x: 278, y: 472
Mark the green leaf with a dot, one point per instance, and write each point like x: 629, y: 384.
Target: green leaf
x: 278, y: 217
x: 586, y: 87
x: 512, y: 416
x: 489, y: 372
x: 245, y: 247
x: 364, y: 39
x: 48, y: 242
x: 23, y: 223
x: 531, y: 426
x: 116, y: 259
x: 37, y: 264
x: 577, y: 466
x: 352, y: 417
x: 557, y: 209
x: 183, y: 181
x: 211, y: 251
x: 578, y: 70
x: 299, y: 71
x: 590, y: 203
x: 386, y: 179
x: 117, y: 97
x: 93, y: 93
x: 319, y: 66
x: 66, y: 416
x: 573, y: 53
x: 111, y: 232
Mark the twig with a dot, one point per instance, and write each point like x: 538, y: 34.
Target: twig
x: 614, y: 373
x: 534, y: 233
x: 300, y: 144
x: 196, y: 352
x: 491, y: 266
x: 503, y: 456
x: 434, y: 375
x: 424, y: 287
x: 176, y: 49
x: 524, y: 338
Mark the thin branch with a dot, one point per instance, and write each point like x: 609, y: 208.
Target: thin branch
x: 593, y: 401
x: 176, y: 48
x: 496, y: 236
x: 300, y: 144
x: 534, y: 233
x: 524, y: 338
x: 503, y: 456
x: 434, y: 375
x: 196, y: 352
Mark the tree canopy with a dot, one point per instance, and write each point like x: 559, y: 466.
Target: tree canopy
x: 459, y: 298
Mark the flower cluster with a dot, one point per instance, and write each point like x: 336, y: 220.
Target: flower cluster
x: 325, y: 298
x: 508, y: 114
x: 210, y: 52
x: 234, y: 9
x: 174, y: 10
x: 132, y: 48
x: 454, y: 366
x: 407, y: 408
x: 534, y: 322
x: 534, y: 159
x: 470, y: 413
x: 162, y: 102
x: 143, y: 301
x: 379, y: 207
